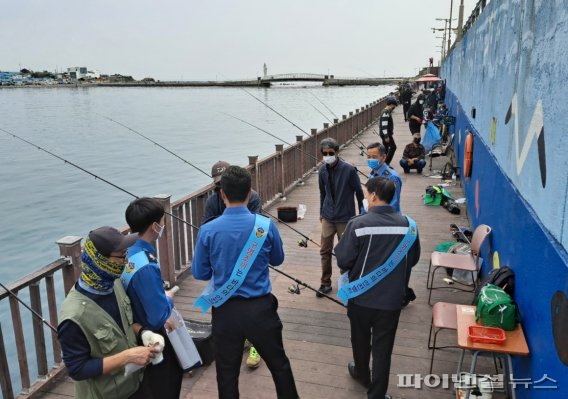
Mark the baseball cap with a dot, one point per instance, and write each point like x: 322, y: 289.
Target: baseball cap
x: 218, y: 169
x: 108, y: 240
x: 392, y: 101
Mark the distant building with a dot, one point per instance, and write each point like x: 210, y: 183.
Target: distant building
x: 77, y: 73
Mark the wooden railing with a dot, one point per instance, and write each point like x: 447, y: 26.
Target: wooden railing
x: 40, y: 284
x: 273, y: 177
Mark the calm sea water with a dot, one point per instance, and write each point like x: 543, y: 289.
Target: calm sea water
x: 43, y: 199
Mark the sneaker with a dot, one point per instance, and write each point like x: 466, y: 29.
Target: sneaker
x: 324, y: 289
x: 253, y: 360
x: 247, y: 344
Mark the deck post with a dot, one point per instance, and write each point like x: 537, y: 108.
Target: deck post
x: 166, y: 244
x: 300, y: 145
x: 252, y: 160
x: 314, y: 133
x: 70, y: 247
x: 280, y: 169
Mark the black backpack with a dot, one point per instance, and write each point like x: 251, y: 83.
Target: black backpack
x: 503, y: 277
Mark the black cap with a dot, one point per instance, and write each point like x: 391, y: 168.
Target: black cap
x: 218, y: 169
x: 420, y: 97
x: 108, y: 240
x: 392, y: 101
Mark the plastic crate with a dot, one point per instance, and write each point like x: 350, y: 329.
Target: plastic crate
x: 487, y: 335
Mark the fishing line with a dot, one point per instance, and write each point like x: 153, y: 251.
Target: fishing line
x: 300, y: 243
x: 155, y: 143
x: 89, y: 173
x: 36, y: 314
x: 280, y: 139
x: 322, y: 103
x: 135, y: 196
x: 321, y: 113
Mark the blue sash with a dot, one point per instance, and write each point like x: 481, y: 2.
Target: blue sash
x: 367, y: 282
x: 135, y: 263
x: 242, y: 266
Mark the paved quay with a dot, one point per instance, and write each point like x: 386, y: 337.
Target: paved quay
x: 316, y: 330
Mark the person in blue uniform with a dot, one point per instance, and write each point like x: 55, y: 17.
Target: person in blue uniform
x: 214, y: 207
x: 96, y: 331
x: 378, y: 250
x: 151, y: 304
x: 233, y: 252
x: 376, y: 156
x: 376, y: 159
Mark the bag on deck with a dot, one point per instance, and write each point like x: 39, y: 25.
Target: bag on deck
x: 431, y: 137
x: 503, y: 277
x: 495, y: 308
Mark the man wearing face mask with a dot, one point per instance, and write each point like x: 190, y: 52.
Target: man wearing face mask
x: 338, y: 182
x: 215, y: 206
x: 386, y: 129
x: 151, y: 305
x: 413, y: 156
x: 376, y: 159
x: 415, y: 114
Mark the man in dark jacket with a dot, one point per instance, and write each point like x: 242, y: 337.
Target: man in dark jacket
x: 215, y: 206
x: 378, y: 250
x: 386, y: 129
x: 406, y: 99
x: 416, y: 114
x: 338, y: 181
x: 413, y: 155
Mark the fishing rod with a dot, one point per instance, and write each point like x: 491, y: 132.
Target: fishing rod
x: 36, y: 314
x: 276, y: 112
x: 296, y: 289
x: 280, y: 139
x: 154, y: 142
x: 321, y: 113
x: 322, y: 103
x: 301, y: 243
x: 133, y: 195
x: 89, y: 173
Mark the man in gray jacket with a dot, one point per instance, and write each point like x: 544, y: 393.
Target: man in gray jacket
x: 378, y: 250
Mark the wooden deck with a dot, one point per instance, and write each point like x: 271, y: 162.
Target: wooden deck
x: 316, y: 330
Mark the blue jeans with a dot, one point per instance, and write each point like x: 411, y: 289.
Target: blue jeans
x: 418, y: 165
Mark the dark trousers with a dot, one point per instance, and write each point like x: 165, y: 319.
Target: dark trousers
x: 390, y: 148
x: 373, y: 330
x: 405, y: 108
x: 163, y: 380
x: 257, y: 320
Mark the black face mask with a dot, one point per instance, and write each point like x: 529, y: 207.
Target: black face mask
x: 417, y: 141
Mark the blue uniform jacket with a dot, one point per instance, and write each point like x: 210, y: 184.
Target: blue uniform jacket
x: 387, y: 172
x: 219, y: 244
x: 150, y: 305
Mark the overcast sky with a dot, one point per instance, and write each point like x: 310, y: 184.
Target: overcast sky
x: 224, y: 39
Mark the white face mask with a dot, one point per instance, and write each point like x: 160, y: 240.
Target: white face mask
x: 366, y: 205
x: 160, y: 230
x: 329, y: 159
x: 421, y: 102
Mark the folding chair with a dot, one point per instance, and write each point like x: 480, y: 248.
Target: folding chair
x: 469, y: 262
x: 443, y: 318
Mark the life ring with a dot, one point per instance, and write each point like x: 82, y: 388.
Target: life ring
x: 468, y: 158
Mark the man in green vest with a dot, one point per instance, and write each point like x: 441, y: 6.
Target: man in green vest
x: 97, y: 334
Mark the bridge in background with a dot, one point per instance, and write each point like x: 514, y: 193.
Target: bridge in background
x: 267, y: 81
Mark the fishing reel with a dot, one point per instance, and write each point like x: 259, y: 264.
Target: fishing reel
x: 303, y: 243
x: 294, y: 289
